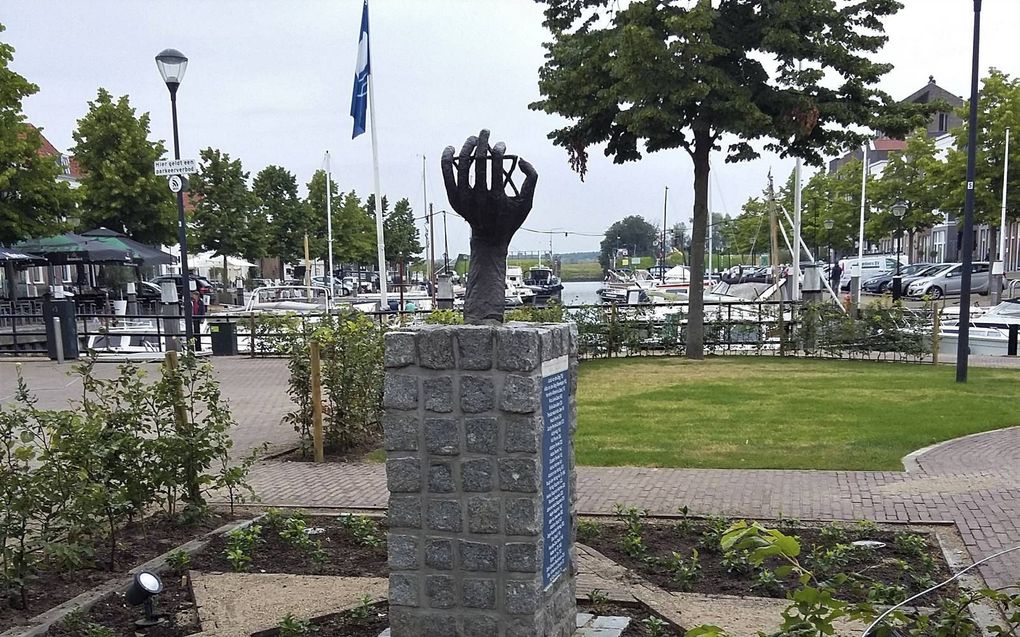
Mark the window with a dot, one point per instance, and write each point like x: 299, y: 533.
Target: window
x: 979, y: 267
x: 943, y: 122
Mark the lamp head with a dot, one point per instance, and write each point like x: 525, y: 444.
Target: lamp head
x: 829, y: 223
x: 144, y: 585
x: 899, y: 209
x: 171, y: 64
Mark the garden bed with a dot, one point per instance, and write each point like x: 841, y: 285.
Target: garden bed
x: 137, y: 543
x: 685, y: 556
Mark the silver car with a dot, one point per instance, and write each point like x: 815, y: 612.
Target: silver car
x: 946, y: 282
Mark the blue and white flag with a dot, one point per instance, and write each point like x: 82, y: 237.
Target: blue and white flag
x: 359, y: 97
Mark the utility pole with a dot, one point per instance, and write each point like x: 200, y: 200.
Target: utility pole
x: 662, y: 267
x: 446, y: 247
x: 432, y: 254
x: 999, y: 266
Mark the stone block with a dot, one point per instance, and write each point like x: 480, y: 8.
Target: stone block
x: 521, y: 597
x: 479, y: 593
x: 444, y: 515
x: 399, y: 349
x: 554, y: 343
x: 522, y: 557
x: 403, y: 589
x: 400, y: 432
x: 403, y: 620
x: 441, y: 477
x: 440, y: 591
x: 404, y: 512
x: 522, y: 517
x: 518, y: 350
x: 474, y: 345
x: 441, y: 436
x: 439, y: 553
x: 403, y: 475
x: 483, y: 514
x: 527, y: 626
x: 521, y: 432
x: 400, y: 391
x: 481, y: 435
x: 476, y: 475
x: 477, y: 394
x: 438, y: 394
x: 518, y: 475
x: 520, y: 394
x: 402, y: 552
x: 438, y: 625
x: 479, y: 556
x: 435, y: 348
x: 480, y: 626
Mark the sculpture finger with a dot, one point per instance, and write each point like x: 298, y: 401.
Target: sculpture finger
x: 530, y: 179
x: 496, y: 179
x: 464, y: 161
x: 481, y: 150
x: 451, y: 185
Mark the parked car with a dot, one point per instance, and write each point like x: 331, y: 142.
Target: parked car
x: 947, y: 282
x: 868, y: 267
x: 883, y: 283
x: 200, y: 283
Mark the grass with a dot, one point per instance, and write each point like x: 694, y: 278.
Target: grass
x: 768, y: 413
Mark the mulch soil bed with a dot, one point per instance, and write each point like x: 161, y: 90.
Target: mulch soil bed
x: 355, y: 454
x: 913, y: 565
x: 136, y: 544
x: 638, y: 613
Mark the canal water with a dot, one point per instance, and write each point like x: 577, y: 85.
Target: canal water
x: 581, y: 292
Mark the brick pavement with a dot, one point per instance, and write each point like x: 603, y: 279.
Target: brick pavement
x: 981, y: 494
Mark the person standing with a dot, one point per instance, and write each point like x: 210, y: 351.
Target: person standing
x: 197, y: 312
x: 835, y: 274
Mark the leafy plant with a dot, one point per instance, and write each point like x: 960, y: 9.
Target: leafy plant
x: 735, y: 561
x: 445, y: 317
x: 766, y: 582
x: 683, y: 572
x: 684, y: 524
x: 363, y: 529
x: 655, y: 626
x: 911, y: 544
x: 291, y: 626
x: 240, y: 545
x: 178, y: 560
x: 833, y: 533
x: 588, y: 529
x: 599, y: 600
x: 712, y: 536
x: 77, y: 623
x: 364, y: 608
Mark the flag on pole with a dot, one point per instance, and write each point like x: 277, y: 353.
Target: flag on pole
x: 359, y: 96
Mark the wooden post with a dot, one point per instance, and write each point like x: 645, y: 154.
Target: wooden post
x: 316, y: 381
x: 774, y: 257
x: 192, y: 492
x: 935, y: 333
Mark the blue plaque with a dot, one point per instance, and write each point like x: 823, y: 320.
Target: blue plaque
x: 555, y: 468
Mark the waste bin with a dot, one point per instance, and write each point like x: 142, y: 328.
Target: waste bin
x: 224, y: 337
x: 58, y: 314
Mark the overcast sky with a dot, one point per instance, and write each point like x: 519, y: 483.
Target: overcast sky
x: 269, y: 81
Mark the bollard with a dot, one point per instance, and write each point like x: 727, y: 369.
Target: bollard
x: 316, y: 382
x: 1014, y: 331
x: 59, y: 341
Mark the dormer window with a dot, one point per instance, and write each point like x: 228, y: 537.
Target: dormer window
x: 943, y: 122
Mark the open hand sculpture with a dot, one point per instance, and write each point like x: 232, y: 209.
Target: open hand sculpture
x: 493, y: 216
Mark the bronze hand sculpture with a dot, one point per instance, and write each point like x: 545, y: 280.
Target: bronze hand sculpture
x: 493, y: 216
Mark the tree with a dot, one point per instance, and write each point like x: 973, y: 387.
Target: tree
x: 32, y: 201
x: 682, y: 73
x: 289, y: 217
x: 316, y: 202
x: 224, y: 220
x: 998, y: 109
x: 633, y: 233
x: 907, y: 177
x: 401, y: 233
x: 119, y: 189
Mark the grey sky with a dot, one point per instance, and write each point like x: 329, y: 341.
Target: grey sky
x: 269, y: 82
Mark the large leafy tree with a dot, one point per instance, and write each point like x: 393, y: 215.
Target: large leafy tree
x: 225, y: 221
x: 797, y: 75
x: 633, y: 233
x: 998, y: 109
x: 119, y: 189
x: 401, y: 233
x: 32, y: 201
x: 289, y: 218
x: 907, y: 178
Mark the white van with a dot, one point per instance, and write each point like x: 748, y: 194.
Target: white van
x: 869, y: 266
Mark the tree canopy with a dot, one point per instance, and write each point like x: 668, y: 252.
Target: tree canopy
x: 401, y: 233
x: 633, y: 233
x: 119, y: 190
x: 797, y: 77
x: 289, y: 218
x: 33, y: 202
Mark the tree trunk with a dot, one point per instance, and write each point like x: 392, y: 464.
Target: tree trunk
x: 485, y: 295
x: 696, y: 300
x: 226, y: 283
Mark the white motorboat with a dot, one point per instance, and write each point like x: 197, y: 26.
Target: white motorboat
x: 989, y: 330
x: 515, y: 287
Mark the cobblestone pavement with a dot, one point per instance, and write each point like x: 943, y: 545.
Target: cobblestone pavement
x: 255, y: 387
x: 973, y: 482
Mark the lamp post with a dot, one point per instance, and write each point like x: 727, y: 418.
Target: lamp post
x: 172, y: 64
x: 828, y: 232
x: 899, y: 209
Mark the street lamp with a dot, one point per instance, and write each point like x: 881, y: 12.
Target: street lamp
x: 828, y: 231
x: 172, y: 64
x: 899, y: 209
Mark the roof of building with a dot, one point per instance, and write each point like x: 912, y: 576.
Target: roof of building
x: 47, y: 149
x: 887, y: 144
x: 931, y: 92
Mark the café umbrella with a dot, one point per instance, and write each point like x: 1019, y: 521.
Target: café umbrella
x: 147, y: 255
x: 70, y: 248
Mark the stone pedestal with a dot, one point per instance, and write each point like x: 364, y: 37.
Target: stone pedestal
x: 478, y: 423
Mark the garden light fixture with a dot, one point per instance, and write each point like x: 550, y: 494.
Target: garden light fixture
x: 171, y: 64
x: 144, y: 587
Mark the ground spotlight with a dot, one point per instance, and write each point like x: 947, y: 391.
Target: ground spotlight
x: 142, y: 591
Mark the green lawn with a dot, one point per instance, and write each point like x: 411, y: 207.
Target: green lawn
x: 770, y: 413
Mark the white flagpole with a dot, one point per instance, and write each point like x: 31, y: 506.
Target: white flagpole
x: 380, y: 246
x: 855, y: 282
x: 795, y: 288
x: 329, y: 223
x: 1002, y: 221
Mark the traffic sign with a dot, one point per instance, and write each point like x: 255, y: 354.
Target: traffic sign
x: 167, y: 167
x: 177, y: 183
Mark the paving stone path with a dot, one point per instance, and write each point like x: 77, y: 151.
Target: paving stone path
x: 973, y: 482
